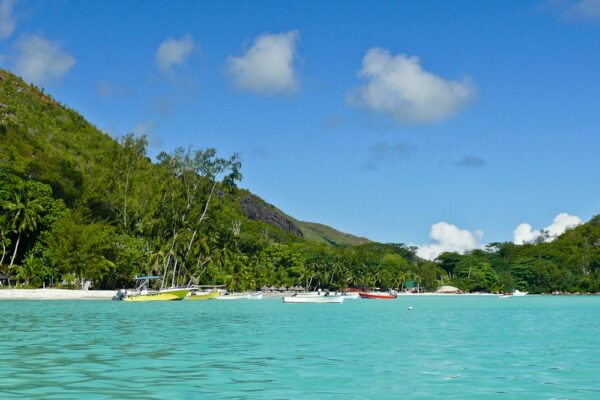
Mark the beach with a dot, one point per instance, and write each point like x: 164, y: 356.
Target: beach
x: 73, y: 294
x: 55, y: 294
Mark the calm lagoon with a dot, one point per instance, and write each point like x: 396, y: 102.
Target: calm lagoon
x: 454, y: 347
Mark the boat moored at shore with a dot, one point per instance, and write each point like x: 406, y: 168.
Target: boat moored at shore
x: 515, y: 293
x: 378, y: 295
x: 143, y: 292
x: 241, y: 296
x: 313, y: 299
x: 194, y: 295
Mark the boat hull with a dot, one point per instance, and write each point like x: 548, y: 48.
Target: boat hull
x: 234, y: 297
x: 313, y: 299
x: 380, y: 296
x: 202, y: 296
x: 162, y: 295
x: 518, y: 293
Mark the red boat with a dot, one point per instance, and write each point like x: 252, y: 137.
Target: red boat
x: 385, y: 296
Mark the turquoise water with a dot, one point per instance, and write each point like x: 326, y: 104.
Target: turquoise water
x: 446, y: 347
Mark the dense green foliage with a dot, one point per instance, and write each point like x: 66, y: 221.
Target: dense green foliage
x: 77, y: 206
x: 570, y: 263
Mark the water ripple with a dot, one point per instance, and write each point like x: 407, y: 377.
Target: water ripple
x: 458, y: 347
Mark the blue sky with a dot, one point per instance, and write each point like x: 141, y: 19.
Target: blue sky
x: 381, y: 119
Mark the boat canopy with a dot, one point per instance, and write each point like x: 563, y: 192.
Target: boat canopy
x: 140, y: 278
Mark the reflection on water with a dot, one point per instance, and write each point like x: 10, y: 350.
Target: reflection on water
x: 457, y: 347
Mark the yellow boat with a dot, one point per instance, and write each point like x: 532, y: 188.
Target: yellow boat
x: 159, y: 295
x: 143, y: 292
x: 202, y: 295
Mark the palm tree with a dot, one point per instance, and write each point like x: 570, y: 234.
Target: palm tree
x: 349, y: 278
x: 25, y: 214
x: 404, y: 277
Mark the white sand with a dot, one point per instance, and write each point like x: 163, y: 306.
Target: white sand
x: 55, y: 294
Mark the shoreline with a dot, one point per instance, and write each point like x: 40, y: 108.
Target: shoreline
x: 74, y: 294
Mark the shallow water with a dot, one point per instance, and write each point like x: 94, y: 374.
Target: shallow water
x: 446, y: 347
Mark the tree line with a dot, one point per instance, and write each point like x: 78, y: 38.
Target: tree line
x: 180, y: 218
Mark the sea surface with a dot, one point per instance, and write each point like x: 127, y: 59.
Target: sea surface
x: 451, y: 347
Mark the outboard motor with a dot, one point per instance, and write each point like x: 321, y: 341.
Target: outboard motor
x: 120, y: 295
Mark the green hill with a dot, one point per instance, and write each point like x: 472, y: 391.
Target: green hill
x: 78, y: 205
x: 51, y: 143
x: 325, y: 234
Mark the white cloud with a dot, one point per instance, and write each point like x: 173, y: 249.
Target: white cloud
x: 174, y: 52
x: 268, y: 66
x: 40, y: 60
x: 7, y: 21
x: 399, y: 87
x: 449, y: 238
x: 561, y: 223
x: 524, y: 233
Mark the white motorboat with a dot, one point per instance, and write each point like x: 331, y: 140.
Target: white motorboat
x: 515, y: 293
x: 241, y: 296
x: 351, y: 295
x: 244, y: 296
x: 313, y: 299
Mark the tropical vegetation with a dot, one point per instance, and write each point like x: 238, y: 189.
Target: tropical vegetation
x: 78, y: 206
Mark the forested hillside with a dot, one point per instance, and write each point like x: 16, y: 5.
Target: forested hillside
x: 77, y: 205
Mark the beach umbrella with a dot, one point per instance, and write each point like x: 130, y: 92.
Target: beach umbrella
x: 282, y: 289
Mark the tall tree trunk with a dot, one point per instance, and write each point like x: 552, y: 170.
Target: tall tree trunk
x: 125, y: 202
x: 174, y: 273
x: 12, y: 260
x: 3, y: 253
x: 165, y: 269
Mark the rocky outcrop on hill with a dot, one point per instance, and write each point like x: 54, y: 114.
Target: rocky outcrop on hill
x: 256, y: 209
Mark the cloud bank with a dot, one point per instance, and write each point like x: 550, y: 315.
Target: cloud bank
x: 449, y: 238
x: 399, y: 87
x: 7, y: 21
x: 267, y: 67
x: 40, y: 60
x: 524, y: 233
x: 174, y: 52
